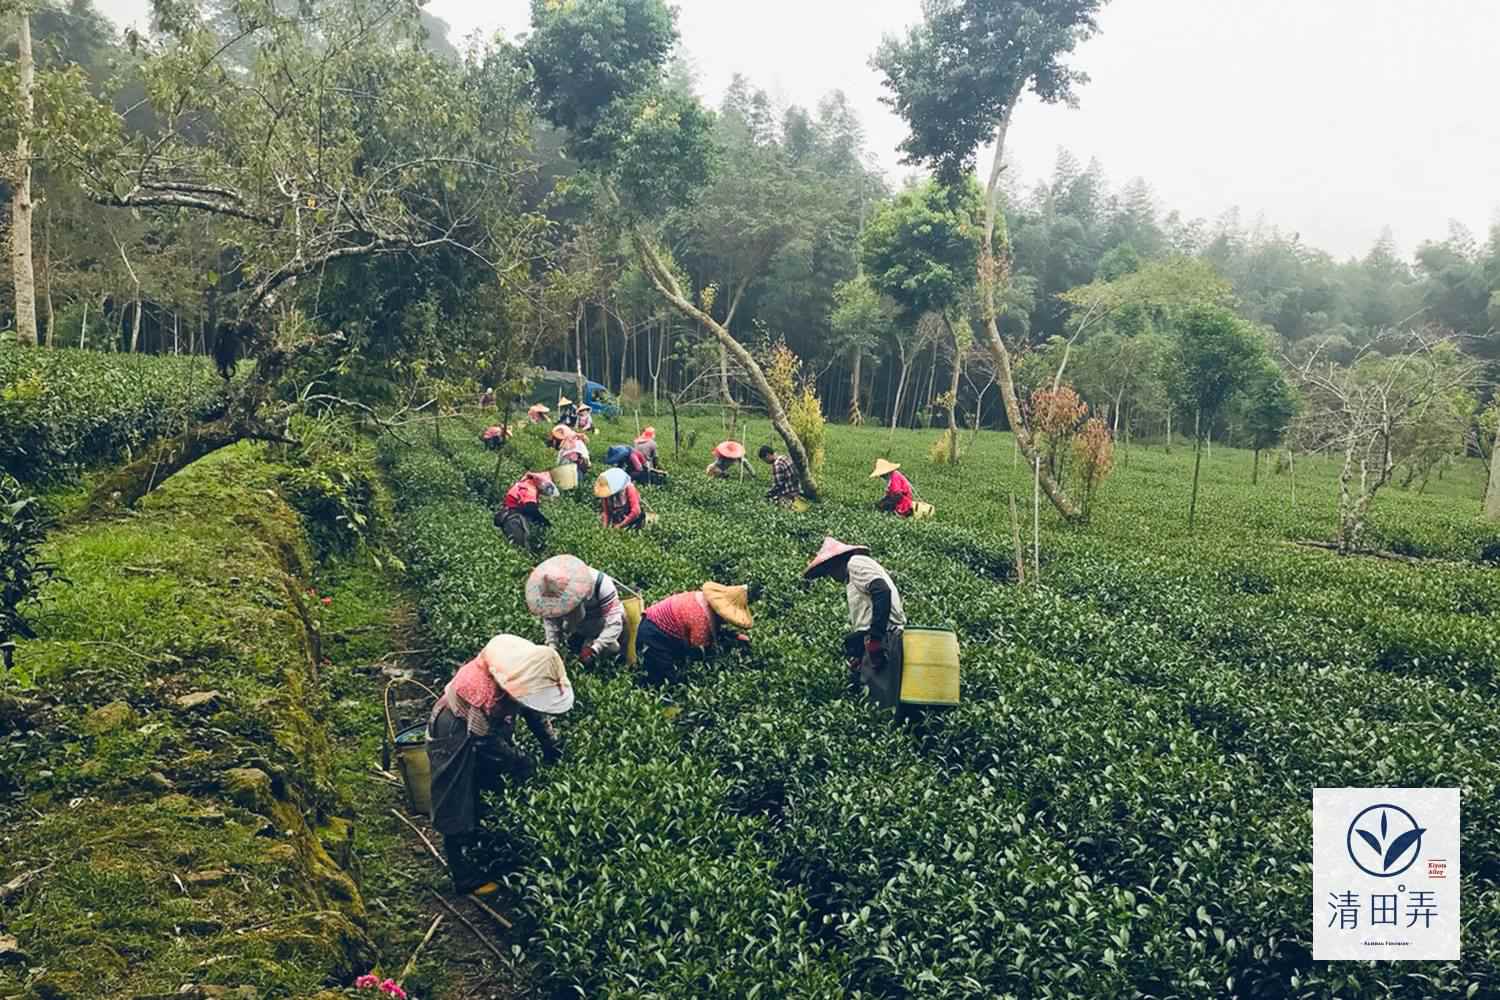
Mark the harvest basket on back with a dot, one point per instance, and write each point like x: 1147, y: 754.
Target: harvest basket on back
x: 929, y: 670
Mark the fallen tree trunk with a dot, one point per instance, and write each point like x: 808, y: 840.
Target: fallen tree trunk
x: 127, y: 485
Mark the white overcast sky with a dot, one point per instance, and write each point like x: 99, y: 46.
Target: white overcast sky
x: 1332, y: 118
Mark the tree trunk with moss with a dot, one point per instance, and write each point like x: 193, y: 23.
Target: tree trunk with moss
x: 666, y: 284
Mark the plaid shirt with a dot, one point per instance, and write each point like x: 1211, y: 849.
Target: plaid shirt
x: 784, y: 484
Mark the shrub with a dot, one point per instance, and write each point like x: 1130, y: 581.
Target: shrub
x: 64, y: 411
x: 23, y: 528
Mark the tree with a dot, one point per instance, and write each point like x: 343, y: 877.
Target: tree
x: 345, y: 141
x: 1214, y: 356
x: 1362, y: 409
x: 1272, y: 404
x: 920, y: 250
x: 862, y: 318
x: 21, y: 207
x: 601, y: 67
x: 956, y: 79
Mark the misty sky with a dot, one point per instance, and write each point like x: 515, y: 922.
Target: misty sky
x: 1332, y: 118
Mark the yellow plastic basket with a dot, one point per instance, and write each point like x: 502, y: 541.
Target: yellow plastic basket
x: 923, y: 510
x: 634, y: 607
x: 566, y: 476
x: 409, y: 746
x: 929, y: 669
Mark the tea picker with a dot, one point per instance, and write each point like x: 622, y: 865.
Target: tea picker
x: 579, y: 606
x: 521, y: 516
x: 786, y: 488
x: 876, y: 617
x: 693, y: 624
x: 619, y: 501
x: 901, y: 666
x: 727, y: 456
x: 898, y: 498
x: 471, y: 739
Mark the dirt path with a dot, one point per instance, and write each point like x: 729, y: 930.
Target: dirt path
x: 371, y: 639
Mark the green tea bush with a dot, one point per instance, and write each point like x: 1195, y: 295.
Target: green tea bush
x: 63, y: 411
x: 1118, y: 808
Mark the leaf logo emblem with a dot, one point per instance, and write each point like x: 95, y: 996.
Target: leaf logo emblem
x: 1388, y: 847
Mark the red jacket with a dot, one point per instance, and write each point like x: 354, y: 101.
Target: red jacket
x: 521, y: 494
x: 900, y: 490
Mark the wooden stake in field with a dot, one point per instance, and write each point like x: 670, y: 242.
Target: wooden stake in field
x: 1036, y: 521
x: 1015, y: 534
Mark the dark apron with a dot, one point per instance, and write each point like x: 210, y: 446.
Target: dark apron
x: 884, y: 685
x: 463, y: 766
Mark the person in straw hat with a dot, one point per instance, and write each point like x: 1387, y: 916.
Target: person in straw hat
x: 567, y: 411
x: 728, y: 455
x: 585, y: 419
x: 538, y: 413
x: 646, y: 445
x: 579, y: 607
x: 619, y: 501
x: 877, y: 617
x: 471, y: 739
x: 521, y: 517
x: 570, y: 447
x: 898, y: 498
x: 688, y: 625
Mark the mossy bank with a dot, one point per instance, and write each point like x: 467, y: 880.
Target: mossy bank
x: 167, y: 783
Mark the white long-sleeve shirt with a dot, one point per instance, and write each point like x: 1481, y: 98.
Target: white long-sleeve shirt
x: 603, y: 621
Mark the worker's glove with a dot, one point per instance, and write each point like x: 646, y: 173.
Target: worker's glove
x: 854, y: 664
x: 586, y: 653
x: 876, y: 652
x: 742, y: 642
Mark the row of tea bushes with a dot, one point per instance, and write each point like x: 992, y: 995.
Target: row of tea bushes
x: 67, y: 410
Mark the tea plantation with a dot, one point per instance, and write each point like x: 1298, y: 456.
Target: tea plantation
x: 1120, y: 807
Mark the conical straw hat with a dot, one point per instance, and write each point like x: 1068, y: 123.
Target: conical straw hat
x: 558, y: 586
x: 832, y: 549
x: 730, y: 603
x: 731, y: 450
x: 610, y: 483
x: 882, y: 467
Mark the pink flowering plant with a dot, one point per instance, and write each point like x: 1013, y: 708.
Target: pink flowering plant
x: 387, y: 987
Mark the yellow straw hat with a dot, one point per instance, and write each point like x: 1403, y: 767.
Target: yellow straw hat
x: 730, y: 603
x: 883, y: 468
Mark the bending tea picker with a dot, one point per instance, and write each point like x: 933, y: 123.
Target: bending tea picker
x: 521, y: 516
x: 538, y: 413
x: 579, y: 606
x: 877, y: 618
x: 619, y: 501
x: 693, y: 624
x: 629, y: 460
x: 727, y: 456
x: 585, y: 422
x: 898, y: 497
x: 786, y: 488
x: 645, y: 443
x: 471, y: 739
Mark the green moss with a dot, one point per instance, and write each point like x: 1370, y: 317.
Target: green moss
x: 226, y: 880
